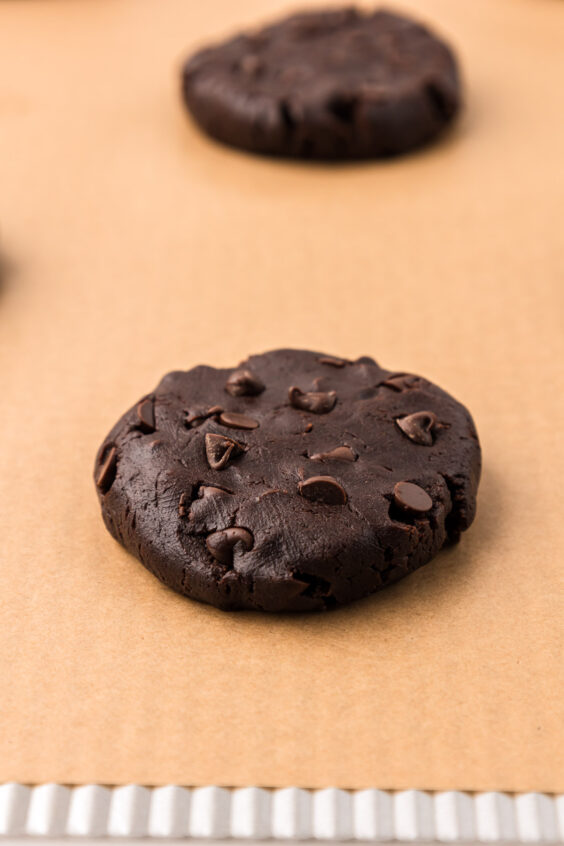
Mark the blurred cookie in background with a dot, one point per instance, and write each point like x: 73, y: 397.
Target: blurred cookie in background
x: 332, y: 84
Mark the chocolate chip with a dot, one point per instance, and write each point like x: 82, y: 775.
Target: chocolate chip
x: 401, y: 382
x: 146, y: 415
x: 270, y: 492
x: 108, y: 470
x: 237, y: 421
x: 219, y: 450
x: 333, y: 362
x: 183, y: 504
x: 340, y: 453
x: 243, y: 383
x: 292, y: 75
x: 418, y: 427
x: 343, y: 106
x: 251, y: 64
x: 196, y: 418
x: 411, y: 497
x: 313, y: 586
x: 287, y: 114
x: 221, y: 544
x: 324, y: 489
x: 318, y: 402
x: 212, y: 490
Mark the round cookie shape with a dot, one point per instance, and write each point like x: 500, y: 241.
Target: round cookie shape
x: 334, y: 480
x: 331, y: 84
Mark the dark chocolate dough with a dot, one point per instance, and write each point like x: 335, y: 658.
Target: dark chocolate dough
x: 306, y: 482
x: 330, y: 84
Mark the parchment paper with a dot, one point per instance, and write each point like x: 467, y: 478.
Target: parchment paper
x: 133, y: 245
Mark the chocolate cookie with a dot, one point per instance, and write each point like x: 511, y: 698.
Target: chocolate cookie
x: 295, y: 482
x: 335, y: 84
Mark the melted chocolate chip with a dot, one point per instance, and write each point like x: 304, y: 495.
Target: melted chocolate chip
x: 318, y: 402
x: 323, y: 489
x: 193, y: 418
x: 251, y: 64
x: 410, y: 497
x: 418, y: 427
x: 219, y: 450
x: 183, y: 504
x: 221, y: 544
x: 270, y: 492
x: 107, y: 472
x: 237, y: 421
x: 401, y: 382
x: 340, y: 453
x: 146, y: 415
x: 243, y: 383
x: 212, y: 490
x: 333, y: 362
x: 196, y: 418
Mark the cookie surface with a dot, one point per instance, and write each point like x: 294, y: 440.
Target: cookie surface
x: 335, y: 84
x: 295, y: 481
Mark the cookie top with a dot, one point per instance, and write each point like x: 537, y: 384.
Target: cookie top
x: 296, y: 481
x: 334, y: 84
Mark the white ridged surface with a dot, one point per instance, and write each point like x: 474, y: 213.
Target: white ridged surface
x: 169, y: 812
x: 373, y: 813
x: 48, y: 810
x: 291, y: 814
x: 536, y: 818
x: 129, y: 811
x: 14, y: 802
x: 210, y: 815
x: 413, y: 815
x: 454, y: 817
x: 250, y: 813
x: 332, y: 814
x: 560, y: 816
x: 51, y: 810
x: 495, y: 817
x: 88, y: 811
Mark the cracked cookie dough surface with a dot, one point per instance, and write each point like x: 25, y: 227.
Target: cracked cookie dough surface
x: 329, y: 84
x: 293, y: 482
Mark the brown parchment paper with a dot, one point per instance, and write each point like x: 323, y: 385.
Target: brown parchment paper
x: 133, y: 245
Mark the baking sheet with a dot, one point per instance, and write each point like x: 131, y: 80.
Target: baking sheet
x: 134, y: 245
